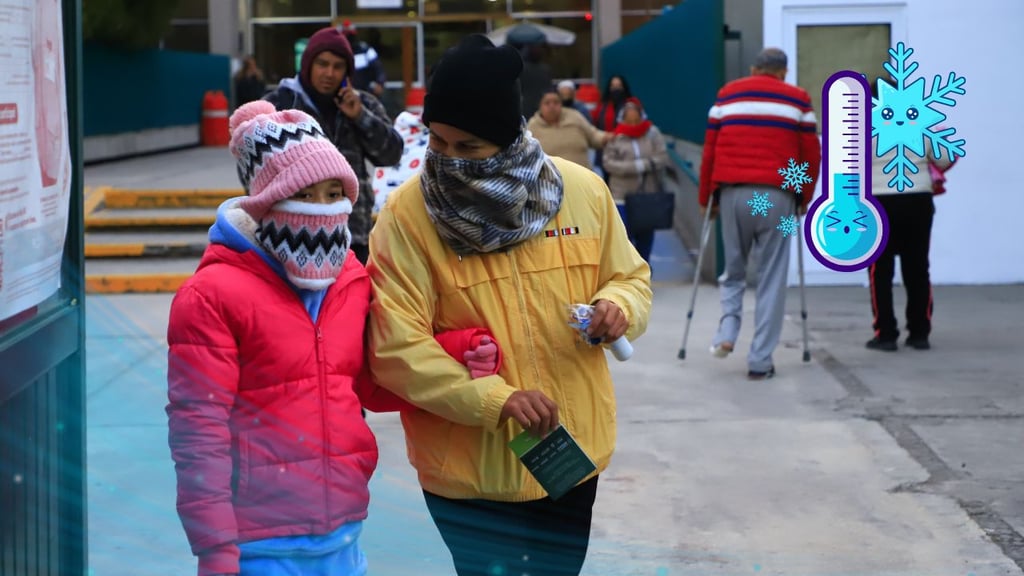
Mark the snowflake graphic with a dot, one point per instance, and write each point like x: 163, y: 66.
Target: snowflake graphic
x: 788, y: 225
x: 902, y: 117
x: 794, y: 176
x: 760, y: 204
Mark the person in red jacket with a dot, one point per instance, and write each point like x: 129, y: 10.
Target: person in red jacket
x: 756, y: 126
x: 267, y: 369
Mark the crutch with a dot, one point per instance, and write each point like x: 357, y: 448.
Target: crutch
x: 800, y: 271
x: 705, y: 231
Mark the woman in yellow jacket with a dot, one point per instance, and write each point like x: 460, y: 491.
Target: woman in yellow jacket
x: 497, y: 234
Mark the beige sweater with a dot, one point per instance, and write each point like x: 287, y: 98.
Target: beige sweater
x: 570, y: 138
x: 627, y: 160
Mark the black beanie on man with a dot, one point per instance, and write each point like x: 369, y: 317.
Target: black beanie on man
x: 475, y: 88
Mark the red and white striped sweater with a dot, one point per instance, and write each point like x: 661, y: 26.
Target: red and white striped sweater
x: 756, y: 125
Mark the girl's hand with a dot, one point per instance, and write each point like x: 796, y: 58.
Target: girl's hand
x: 482, y: 360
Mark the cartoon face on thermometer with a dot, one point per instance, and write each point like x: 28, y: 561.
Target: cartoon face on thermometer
x: 846, y: 230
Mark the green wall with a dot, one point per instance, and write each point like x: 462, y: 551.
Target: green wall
x: 148, y: 89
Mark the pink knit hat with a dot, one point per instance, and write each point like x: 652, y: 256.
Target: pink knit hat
x: 280, y: 153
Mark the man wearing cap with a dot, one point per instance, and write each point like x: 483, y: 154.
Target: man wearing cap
x: 567, y: 92
x: 495, y: 233
x: 757, y: 125
x: 354, y: 120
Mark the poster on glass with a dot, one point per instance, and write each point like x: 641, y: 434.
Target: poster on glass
x: 35, y: 163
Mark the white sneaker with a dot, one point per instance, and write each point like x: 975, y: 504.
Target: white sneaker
x: 721, y: 350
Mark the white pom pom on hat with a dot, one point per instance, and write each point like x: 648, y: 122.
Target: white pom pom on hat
x: 281, y: 152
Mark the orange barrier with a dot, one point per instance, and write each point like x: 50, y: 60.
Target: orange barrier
x: 414, y: 99
x: 215, y: 130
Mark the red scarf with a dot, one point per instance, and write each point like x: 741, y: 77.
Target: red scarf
x: 635, y: 131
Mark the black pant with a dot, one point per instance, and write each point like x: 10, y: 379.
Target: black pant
x: 910, y: 230
x: 541, y: 538
x: 643, y: 241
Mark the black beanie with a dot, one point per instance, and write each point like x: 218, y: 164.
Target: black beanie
x: 475, y: 88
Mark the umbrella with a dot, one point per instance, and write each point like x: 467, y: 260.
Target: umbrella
x: 529, y: 33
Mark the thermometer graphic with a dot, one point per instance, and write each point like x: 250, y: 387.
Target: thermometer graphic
x: 846, y: 227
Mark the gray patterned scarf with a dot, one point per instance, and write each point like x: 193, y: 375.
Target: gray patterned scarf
x: 482, y: 206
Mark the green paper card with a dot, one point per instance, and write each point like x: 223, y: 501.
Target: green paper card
x: 556, y: 461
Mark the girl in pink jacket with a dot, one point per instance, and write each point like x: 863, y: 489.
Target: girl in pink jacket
x: 266, y: 366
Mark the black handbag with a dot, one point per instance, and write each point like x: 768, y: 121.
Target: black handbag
x: 650, y: 210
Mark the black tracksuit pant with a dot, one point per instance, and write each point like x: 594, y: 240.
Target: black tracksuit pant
x: 910, y: 229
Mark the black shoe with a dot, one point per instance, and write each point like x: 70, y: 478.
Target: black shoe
x: 877, y: 343
x: 919, y: 343
x: 756, y: 375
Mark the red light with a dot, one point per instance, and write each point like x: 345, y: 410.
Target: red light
x: 588, y: 16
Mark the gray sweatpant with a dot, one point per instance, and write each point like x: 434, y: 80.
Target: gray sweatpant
x: 741, y: 231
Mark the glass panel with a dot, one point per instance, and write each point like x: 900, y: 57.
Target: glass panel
x: 823, y: 50
x: 274, y: 47
x: 655, y: 5
x: 351, y: 8
x: 193, y: 9
x: 631, y: 23
x: 439, y: 37
x: 279, y: 8
x: 464, y: 6
x: 188, y: 38
x: 551, y: 5
x: 387, y: 41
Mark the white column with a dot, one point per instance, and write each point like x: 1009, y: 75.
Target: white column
x: 609, y: 21
x: 607, y: 29
x: 225, y: 27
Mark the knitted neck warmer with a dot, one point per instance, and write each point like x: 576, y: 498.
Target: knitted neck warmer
x: 482, y: 206
x: 310, y: 240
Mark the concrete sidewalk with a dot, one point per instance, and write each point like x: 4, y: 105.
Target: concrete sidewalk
x: 857, y: 463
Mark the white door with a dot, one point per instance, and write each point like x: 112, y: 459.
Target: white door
x: 821, y: 39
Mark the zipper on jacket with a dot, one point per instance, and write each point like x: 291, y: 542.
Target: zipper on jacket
x: 321, y: 371
x: 526, y: 320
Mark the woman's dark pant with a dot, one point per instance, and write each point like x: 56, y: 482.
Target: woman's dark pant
x: 910, y: 230
x: 642, y: 240
x: 540, y: 538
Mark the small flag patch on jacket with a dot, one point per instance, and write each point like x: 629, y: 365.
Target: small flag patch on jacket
x: 571, y: 231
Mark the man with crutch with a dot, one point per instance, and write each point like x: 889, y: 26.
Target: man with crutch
x: 756, y: 126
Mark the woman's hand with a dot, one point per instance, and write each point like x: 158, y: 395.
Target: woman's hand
x: 534, y: 411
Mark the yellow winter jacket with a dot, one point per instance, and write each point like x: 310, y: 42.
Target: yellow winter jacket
x: 421, y: 287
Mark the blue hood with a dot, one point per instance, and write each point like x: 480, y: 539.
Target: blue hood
x: 295, y: 85
x: 235, y: 229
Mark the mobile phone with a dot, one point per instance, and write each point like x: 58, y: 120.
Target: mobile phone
x: 344, y: 84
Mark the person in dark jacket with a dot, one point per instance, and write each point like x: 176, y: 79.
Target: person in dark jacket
x: 249, y: 83
x: 606, y: 115
x: 535, y: 79
x: 567, y: 92
x: 354, y: 120
x: 369, y: 69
